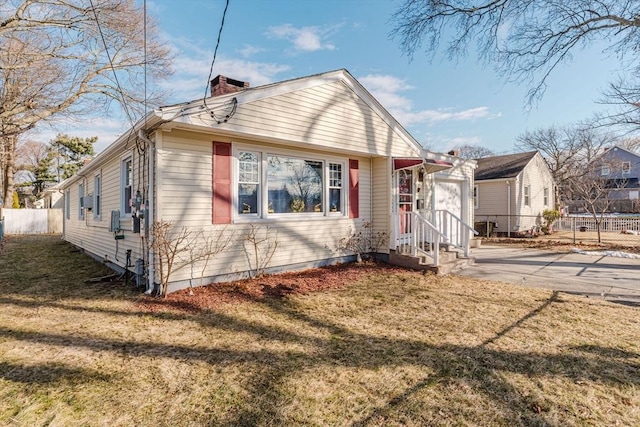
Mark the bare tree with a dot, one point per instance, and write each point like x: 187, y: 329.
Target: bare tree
x: 36, y: 160
x: 567, y: 152
x: 524, y: 39
x: 70, y: 57
x: 469, y: 151
x: 594, y: 188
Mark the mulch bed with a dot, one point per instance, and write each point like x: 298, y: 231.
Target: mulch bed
x: 276, y: 286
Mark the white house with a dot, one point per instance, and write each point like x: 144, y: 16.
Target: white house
x: 511, y: 192
x: 305, y: 162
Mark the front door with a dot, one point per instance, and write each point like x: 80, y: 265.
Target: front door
x: 405, y: 191
x: 448, y: 196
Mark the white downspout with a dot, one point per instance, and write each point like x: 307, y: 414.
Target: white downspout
x: 150, y: 255
x: 508, y: 208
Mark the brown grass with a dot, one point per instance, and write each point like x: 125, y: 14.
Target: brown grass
x: 379, y: 348
x: 566, y: 240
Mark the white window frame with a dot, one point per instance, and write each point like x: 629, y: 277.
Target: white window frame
x: 259, y: 183
x: 81, y: 194
x: 545, y: 196
x: 626, y: 168
x: 476, y: 197
x: 97, y: 195
x: 263, y: 186
x: 125, y: 203
x: 67, y: 203
x: 527, y: 195
x: 605, y: 171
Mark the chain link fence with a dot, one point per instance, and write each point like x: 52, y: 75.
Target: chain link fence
x: 618, y: 230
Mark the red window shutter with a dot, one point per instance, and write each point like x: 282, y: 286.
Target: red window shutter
x: 221, y: 183
x: 354, y: 190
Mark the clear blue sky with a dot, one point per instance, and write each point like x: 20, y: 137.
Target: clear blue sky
x: 441, y: 103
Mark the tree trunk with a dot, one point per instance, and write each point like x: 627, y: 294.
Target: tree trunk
x: 8, y: 170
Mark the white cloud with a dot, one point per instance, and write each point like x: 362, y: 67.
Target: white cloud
x: 249, y: 50
x: 192, y: 66
x: 105, y: 128
x: 387, y: 90
x: 305, y: 39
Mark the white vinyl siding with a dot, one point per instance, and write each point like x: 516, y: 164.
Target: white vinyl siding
x: 330, y: 116
x: 92, y: 234
x: 185, y: 166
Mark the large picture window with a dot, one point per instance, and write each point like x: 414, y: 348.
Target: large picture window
x: 294, y: 185
x: 280, y: 184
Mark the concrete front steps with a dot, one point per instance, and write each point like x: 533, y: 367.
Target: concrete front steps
x: 450, y: 261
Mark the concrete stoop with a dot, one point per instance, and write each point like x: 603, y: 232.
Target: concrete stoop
x: 451, y: 261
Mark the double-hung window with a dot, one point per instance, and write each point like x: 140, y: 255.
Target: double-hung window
x: 272, y: 185
x: 97, y: 195
x: 248, y: 182
x: 527, y: 195
x: 335, y: 187
x: 67, y: 203
x: 545, y: 196
x: 126, y: 179
x: 626, y: 168
x: 81, y: 201
x: 604, y: 171
x: 475, y: 197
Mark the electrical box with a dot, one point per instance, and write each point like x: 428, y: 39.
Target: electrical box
x: 114, y: 225
x: 86, y: 202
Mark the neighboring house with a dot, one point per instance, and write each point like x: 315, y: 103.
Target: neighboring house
x: 621, y: 168
x: 511, y: 192
x: 307, y: 161
x: 52, y: 198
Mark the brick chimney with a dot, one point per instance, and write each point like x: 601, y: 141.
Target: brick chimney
x: 453, y: 153
x: 222, y: 85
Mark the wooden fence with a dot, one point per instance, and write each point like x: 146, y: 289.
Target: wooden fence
x: 32, y: 221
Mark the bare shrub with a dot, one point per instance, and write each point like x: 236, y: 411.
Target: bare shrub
x: 260, y: 245
x: 178, y: 249
x: 365, y: 242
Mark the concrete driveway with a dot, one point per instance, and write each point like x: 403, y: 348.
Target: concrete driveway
x: 605, y: 277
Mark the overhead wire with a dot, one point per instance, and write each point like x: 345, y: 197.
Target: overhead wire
x: 213, y: 61
x: 119, y: 89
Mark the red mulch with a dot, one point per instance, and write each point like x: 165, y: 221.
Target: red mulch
x: 281, y: 285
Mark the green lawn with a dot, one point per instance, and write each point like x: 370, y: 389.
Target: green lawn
x: 389, y: 349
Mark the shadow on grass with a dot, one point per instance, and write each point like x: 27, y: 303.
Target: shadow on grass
x: 48, y: 373
x: 479, y: 366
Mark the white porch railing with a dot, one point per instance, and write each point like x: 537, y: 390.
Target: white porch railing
x: 415, y: 235
x: 457, y: 231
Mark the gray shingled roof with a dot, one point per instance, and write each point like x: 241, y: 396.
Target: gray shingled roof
x: 501, y: 167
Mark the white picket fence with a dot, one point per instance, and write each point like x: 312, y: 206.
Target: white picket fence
x: 32, y: 221
x: 615, y: 224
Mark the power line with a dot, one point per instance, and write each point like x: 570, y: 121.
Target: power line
x: 115, y: 75
x: 215, y: 54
